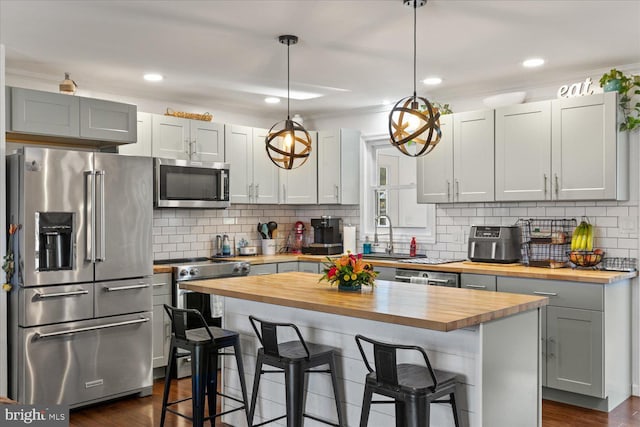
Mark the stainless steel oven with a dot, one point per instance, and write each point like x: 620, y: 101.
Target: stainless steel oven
x: 188, y: 184
x: 188, y: 270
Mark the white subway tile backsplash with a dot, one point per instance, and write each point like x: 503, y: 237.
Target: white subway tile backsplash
x: 617, y: 211
x: 555, y: 212
x: 627, y: 243
x: 575, y: 212
x: 606, y: 221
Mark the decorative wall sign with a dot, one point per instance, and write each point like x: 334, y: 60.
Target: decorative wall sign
x: 576, y: 89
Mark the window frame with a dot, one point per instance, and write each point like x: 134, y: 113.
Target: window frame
x: 369, y: 173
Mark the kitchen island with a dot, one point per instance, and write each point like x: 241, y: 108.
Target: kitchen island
x: 491, y: 339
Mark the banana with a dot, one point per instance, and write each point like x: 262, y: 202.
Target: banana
x: 589, y: 244
x: 576, y: 239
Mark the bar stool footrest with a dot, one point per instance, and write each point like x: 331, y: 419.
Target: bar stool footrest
x: 320, y: 420
x: 269, y: 421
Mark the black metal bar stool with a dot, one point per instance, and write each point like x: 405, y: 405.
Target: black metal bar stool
x: 412, y: 387
x: 204, y: 344
x: 294, y: 359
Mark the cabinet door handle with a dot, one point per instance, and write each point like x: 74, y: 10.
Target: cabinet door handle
x: 257, y: 192
x: 187, y: 150
x: 457, y: 189
x: 250, y: 192
x: 547, y: 294
x: 336, y: 192
x: 91, y: 328
x: 284, y: 193
x: 545, y: 185
x: 557, y: 185
x: 448, y: 190
x: 159, y: 284
x: 194, y: 149
x: 550, y: 350
x: 475, y: 286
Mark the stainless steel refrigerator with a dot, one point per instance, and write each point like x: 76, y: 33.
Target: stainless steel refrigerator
x: 80, y: 313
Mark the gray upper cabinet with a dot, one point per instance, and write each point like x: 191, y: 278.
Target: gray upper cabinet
x: 338, y: 167
x: 57, y: 115
x: 300, y: 185
x: 185, y: 139
x: 107, y: 121
x: 565, y: 149
x: 473, y: 157
x: 44, y: 113
x: 523, y: 152
x: 435, y: 170
x: 255, y: 177
x: 460, y: 167
x: 589, y: 156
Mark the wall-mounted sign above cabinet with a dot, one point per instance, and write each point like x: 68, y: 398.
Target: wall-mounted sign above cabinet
x: 576, y: 89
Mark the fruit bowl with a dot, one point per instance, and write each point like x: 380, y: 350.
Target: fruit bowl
x: 586, y: 258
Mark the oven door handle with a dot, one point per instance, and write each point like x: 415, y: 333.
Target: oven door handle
x: 404, y: 278
x: 180, y: 301
x: 62, y: 294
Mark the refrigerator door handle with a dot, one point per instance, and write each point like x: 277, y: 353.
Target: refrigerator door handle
x: 90, y: 204
x: 103, y: 247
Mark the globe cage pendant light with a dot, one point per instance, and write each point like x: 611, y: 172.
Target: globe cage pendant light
x: 288, y: 144
x: 414, y: 124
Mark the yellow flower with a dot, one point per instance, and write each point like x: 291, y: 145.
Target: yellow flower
x: 354, y: 277
x: 346, y: 277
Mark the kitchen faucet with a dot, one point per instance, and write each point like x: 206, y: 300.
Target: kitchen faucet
x: 389, y: 249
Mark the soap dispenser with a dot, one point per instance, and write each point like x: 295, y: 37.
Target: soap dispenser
x: 226, y: 246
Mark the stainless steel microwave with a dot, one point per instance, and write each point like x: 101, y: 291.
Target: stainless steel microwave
x: 188, y: 184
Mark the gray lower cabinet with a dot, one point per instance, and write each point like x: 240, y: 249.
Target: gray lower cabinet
x: 309, y: 267
x: 586, y: 339
x: 161, y: 324
x: 480, y: 282
x: 575, y: 350
x: 262, y: 269
x: 284, y: 267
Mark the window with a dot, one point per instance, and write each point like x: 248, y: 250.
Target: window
x: 390, y: 195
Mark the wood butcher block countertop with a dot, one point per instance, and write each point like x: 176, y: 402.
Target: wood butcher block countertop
x: 510, y: 270
x: 430, y: 307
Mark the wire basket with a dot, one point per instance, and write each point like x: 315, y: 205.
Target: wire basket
x: 546, y: 241
x: 619, y: 264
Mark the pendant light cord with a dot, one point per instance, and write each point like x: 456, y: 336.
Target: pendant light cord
x: 288, y: 83
x: 415, y: 7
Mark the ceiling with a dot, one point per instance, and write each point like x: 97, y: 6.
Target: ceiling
x: 354, y: 53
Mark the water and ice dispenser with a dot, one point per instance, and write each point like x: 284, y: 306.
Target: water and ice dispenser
x: 55, y: 241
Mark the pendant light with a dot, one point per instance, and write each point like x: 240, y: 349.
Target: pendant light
x: 414, y: 124
x: 288, y: 143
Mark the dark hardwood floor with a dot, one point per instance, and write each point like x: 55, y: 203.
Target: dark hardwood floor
x: 145, y: 412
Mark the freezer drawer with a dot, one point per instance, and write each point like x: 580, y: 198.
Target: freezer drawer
x: 54, y: 304
x: 124, y: 296
x: 78, y: 362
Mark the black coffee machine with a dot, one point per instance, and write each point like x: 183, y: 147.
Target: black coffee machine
x: 327, y: 236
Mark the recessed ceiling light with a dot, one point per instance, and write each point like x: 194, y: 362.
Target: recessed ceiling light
x: 432, y: 81
x: 153, y: 77
x: 533, y: 62
x: 272, y: 100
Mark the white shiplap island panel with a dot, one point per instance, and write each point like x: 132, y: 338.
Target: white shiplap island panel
x: 497, y: 360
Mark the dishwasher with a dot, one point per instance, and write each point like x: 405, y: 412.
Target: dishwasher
x: 434, y: 278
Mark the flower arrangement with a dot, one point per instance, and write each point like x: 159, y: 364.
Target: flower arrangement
x: 349, y: 271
